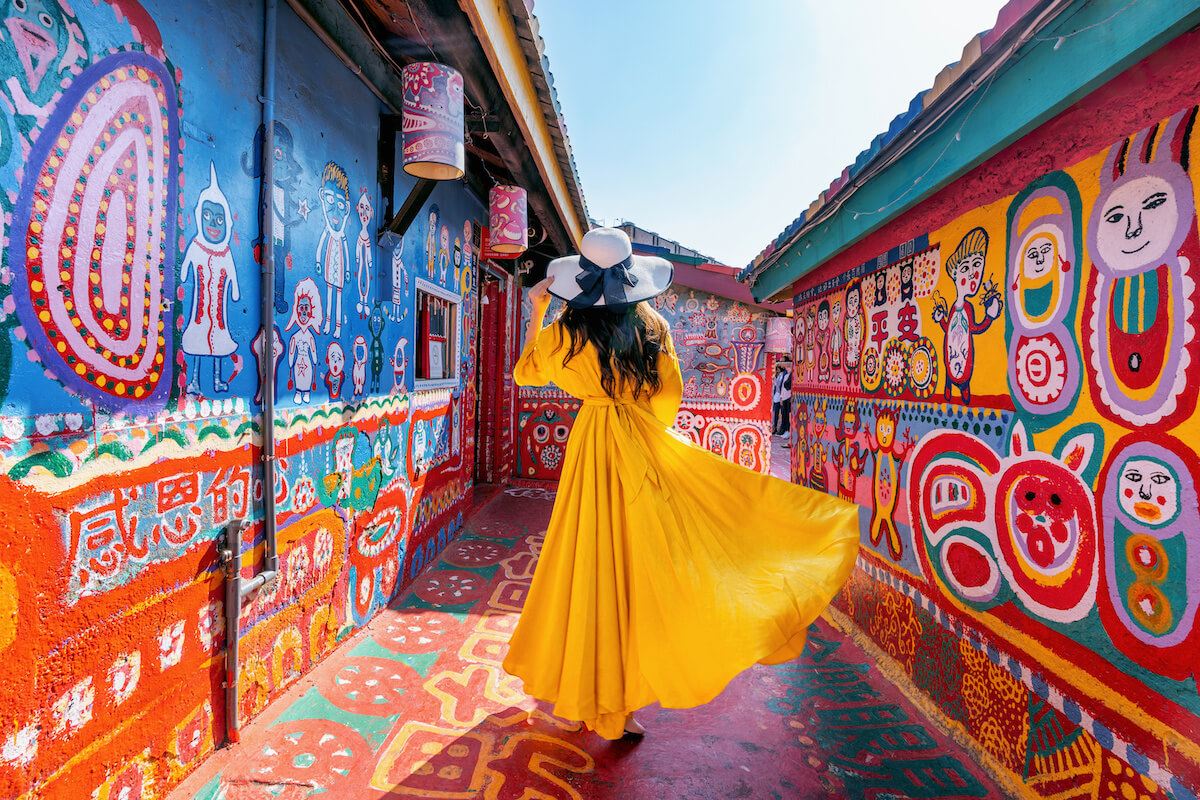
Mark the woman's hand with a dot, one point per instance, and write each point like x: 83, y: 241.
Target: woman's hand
x: 539, y: 294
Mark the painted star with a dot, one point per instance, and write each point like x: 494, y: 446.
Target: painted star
x: 302, y: 207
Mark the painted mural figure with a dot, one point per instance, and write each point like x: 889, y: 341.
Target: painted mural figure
x: 848, y: 458
x: 399, y: 284
x: 364, y: 254
x: 1140, y: 326
x: 1044, y: 370
x: 965, y: 268
x: 836, y: 342
x: 810, y: 346
x: 824, y: 357
x: 335, y: 375
x: 358, y: 373
x: 302, y: 347
x: 431, y: 242
x: 889, y: 455
x: 376, y: 326
x: 399, y: 362
x: 207, y: 336
x: 333, y: 254
x: 286, y: 173
x: 443, y: 261
x: 1148, y: 508
x: 854, y: 326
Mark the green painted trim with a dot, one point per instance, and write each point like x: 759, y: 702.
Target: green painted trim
x: 1038, y: 83
x: 345, y: 31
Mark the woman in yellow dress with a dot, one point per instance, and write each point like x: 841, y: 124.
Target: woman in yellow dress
x: 666, y: 569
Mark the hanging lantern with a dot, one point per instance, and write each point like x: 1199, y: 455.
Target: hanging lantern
x: 433, y: 122
x: 779, y: 335
x: 508, y: 220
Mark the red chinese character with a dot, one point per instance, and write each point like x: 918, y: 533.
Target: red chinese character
x: 177, y: 491
x: 907, y: 323
x: 879, y: 327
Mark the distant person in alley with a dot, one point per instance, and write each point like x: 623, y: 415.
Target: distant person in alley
x: 781, y: 401
x: 666, y: 569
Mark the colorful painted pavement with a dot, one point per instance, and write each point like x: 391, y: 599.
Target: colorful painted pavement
x: 417, y: 705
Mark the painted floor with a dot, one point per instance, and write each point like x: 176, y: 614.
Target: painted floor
x: 416, y: 705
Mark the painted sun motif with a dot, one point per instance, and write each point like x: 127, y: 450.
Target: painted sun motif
x: 922, y: 368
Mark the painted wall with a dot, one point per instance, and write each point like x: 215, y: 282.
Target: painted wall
x: 129, y: 158
x: 726, y: 408
x: 1005, y: 381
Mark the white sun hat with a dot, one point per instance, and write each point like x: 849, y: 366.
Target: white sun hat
x: 607, y: 274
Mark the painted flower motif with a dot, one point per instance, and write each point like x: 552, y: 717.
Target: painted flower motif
x: 323, y: 551
x: 297, y: 569
x: 21, y: 747
x: 13, y: 427
x: 74, y: 709
x: 46, y: 424
x: 212, y: 624
x: 304, y: 495
x: 895, y: 367
x: 868, y: 289
x: 124, y: 674
x: 926, y: 268
x: 170, y: 645
x: 73, y: 421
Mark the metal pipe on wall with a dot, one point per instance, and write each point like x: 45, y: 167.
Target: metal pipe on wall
x: 231, y: 556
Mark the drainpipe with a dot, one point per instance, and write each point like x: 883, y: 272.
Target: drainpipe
x: 231, y: 554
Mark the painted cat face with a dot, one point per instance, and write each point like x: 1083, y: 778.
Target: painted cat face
x: 1138, y: 222
x: 334, y: 205
x: 212, y: 222
x: 1148, y: 491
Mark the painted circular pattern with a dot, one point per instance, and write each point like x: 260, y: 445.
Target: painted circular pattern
x: 425, y: 632
x: 474, y: 553
x: 745, y: 391
x: 923, y: 368
x: 451, y: 587
x: 1041, y: 367
x: 870, y: 370
x: 972, y: 572
x: 367, y: 685
x: 94, y: 230
x: 895, y: 367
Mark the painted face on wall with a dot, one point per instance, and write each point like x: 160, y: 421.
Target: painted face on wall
x: 212, y: 222
x: 457, y: 253
x: 365, y: 212
x: 837, y: 312
x: 335, y: 358
x: 445, y: 239
x: 968, y: 274
x: 853, y: 300
x: 38, y: 35
x: 303, y: 310
x: 850, y: 419
x: 334, y: 205
x: 1039, y: 256
x: 1139, y: 219
x: 1148, y: 491
x: 885, y: 431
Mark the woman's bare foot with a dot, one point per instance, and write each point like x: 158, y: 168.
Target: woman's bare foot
x: 633, y: 727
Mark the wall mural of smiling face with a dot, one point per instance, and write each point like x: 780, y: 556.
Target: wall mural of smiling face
x: 1148, y: 505
x: 1140, y: 326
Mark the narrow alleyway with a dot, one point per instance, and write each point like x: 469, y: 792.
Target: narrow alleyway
x: 417, y: 705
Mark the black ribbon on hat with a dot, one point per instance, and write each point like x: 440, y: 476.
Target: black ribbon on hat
x: 595, y: 280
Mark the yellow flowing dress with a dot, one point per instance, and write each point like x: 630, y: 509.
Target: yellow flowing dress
x: 666, y: 569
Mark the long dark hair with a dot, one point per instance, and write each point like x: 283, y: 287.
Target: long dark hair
x: 627, y: 342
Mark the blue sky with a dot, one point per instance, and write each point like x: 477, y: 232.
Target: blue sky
x: 716, y: 123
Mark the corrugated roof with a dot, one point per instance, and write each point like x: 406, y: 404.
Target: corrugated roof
x: 980, y: 44
x: 543, y: 80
